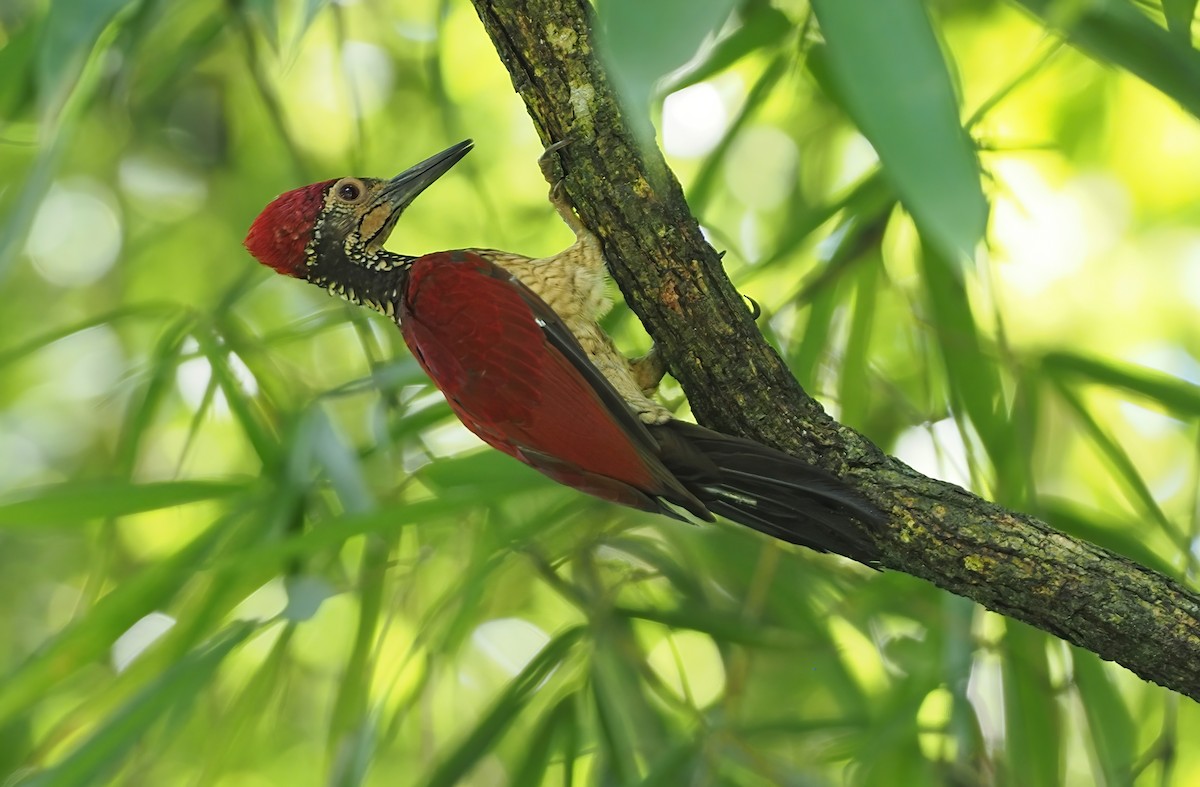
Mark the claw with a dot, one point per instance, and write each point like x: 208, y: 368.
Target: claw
x: 547, y: 160
x: 554, y: 147
x: 558, y: 195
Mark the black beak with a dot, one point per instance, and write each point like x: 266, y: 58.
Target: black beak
x: 400, y: 191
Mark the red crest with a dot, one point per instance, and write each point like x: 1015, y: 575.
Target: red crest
x: 278, y: 236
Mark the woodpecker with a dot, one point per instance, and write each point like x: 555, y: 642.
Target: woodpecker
x: 514, y: 345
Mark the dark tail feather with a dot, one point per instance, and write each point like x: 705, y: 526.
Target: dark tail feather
x: 769, y: 491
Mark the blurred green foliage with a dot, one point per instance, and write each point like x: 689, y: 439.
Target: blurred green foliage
x: 341, y: 588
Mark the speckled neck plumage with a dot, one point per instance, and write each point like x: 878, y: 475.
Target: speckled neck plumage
x: 375, y: 280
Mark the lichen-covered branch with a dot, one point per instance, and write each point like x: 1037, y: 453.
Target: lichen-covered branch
x: 673, y: 280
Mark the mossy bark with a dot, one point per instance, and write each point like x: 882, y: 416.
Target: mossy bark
x: 674, y: 281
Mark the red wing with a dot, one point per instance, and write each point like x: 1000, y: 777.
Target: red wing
x: 474, y: 344
x: 516, y: 376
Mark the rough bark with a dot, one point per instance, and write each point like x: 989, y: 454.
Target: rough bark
x: 673, y: 280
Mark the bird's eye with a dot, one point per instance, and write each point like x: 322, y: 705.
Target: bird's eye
x: 348, y: 190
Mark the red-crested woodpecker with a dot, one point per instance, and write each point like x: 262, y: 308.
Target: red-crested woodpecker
x: 514, y: 345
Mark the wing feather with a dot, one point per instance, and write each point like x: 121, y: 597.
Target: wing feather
x: 517, y: 377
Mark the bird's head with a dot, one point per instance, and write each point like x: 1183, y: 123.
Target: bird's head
x: 332, y: 233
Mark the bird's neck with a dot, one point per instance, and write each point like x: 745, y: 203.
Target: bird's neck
x: 377, y: 283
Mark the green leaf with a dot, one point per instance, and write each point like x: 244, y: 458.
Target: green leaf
x: 814, y: 342
x: 355, y: 753
x: 73, y: 28
x: 1113, y: 733
x: 317, y: 441
x: 1125, y: 469
x: 266, y: 14
x: 91, y: 636
x: 1122, y: 35
x: 256, y: 423
x: 263, y: 562
x: 79, y: 502
x: 350, y: 723
x: 708, y: 177
x: 504, y: 711
x: 854, y: 384
x: 481, y: 474
x: 22, y: 207
x: 30, y: 348
x: 144, y: 407
x: 891, y: 78
x: 175, y: 690
x: 531, y: 770
x: 677, y: 765
x: 722, y: 626
x: 1031, y: 714
x: 311, y: 9
x: 971, y: 374
x: 619, y: 702
x: 636, y: 50
x: 865, y: 211
x: 245, y: 711
x: 763, y: 27
x: 1179, y: 14
x: 1177, y: 396
x: 16, y: 58
x: 958, y: 650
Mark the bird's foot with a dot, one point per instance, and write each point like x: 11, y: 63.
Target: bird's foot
x: 547, y: 161
x: 648, y: 370
x: 552, y: 172
x: 651, y: 413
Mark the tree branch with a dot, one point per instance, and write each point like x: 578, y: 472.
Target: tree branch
x: 673, y: 280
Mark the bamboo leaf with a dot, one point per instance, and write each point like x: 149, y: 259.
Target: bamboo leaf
x: 853, y: 386
x: 175, y: 691
x: 677, y: 765
x: 311, y: 9
x: 1031, y: 714
x: 349, y: 722
x: 706, y: 180
x: 722, y: 626
x: 1110, y: 724
x: 892, y: 80
x: 255, y: 422
x: 91, y: 636
x: 1124, y: 467
x: 637, y: 52
x: 1119, y: 33
x: 164, y: 362
x: 30, y: 347
x: 763, y: 27
x: 531, y: 770
x: 972, y: 377
x: 265, y: 561
x: 16, y: 60
x: 73, y: 28
x: 246, y: 712
x: 317, y: 441
x: 79, y: 502
x: 618, y: 701
x: 504, y: 710
x: 1179, y: 14
x: 1173, y: 394
x: 814, y: 342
